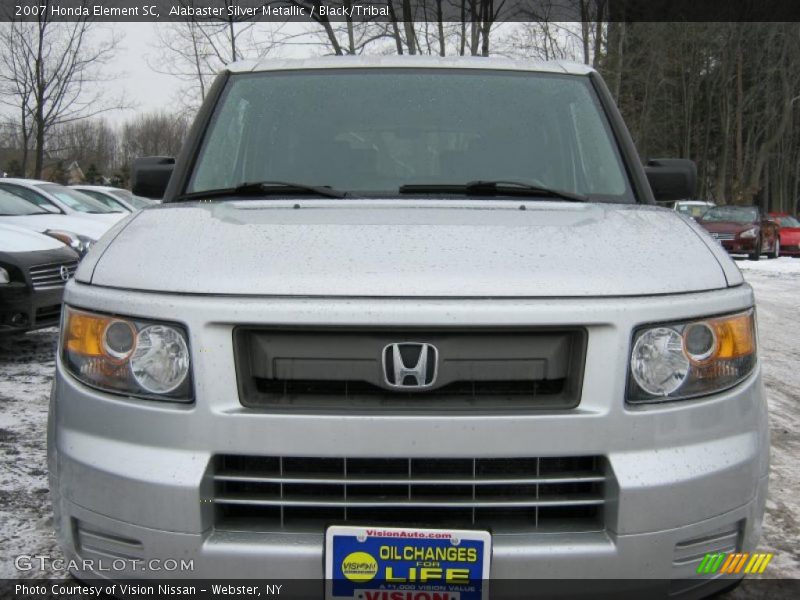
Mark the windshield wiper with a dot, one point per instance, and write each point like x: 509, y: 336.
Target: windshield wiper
x: 266, y: 188
x: 493, y: 188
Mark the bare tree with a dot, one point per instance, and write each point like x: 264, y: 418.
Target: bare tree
x: 153, y: 134
x: 198, y: 48
x: 88, y: 141
x: 51, y: 75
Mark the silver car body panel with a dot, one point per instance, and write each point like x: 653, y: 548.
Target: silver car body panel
x: 141, y: 468
x: 398, y: 248
x: 137, y: 476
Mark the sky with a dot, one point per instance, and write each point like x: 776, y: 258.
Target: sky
x: 147, y: 89
x: 139, y: 66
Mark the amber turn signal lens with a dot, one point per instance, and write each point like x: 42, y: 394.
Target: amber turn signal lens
x: 735, y: 336
x: 84, y: 333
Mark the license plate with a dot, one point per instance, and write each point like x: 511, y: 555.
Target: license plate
x: 378, y: 563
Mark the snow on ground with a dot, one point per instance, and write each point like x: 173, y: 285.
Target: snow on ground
x: 785, y: 266
x: 26, y: 367
x: 777, y: 288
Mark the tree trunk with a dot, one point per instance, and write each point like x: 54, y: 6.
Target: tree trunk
x: 398, y: 41
x: 738, y: 184
x: 408, y: 24
x: 440, y: 27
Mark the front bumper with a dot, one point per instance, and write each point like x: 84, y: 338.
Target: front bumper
x: 23, y: 309
x: 739, y: 246
x: 689, y: 477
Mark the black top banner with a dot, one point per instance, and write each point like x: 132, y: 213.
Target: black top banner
x: 481, y: 11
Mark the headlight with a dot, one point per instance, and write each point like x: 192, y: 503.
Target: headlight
x: 692, y: 358
x: 128, y: 356
x: 4, y: 276
x: 749, y: 233
x: 79, y: 243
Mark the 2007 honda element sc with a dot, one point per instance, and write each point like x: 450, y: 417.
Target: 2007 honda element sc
x: 410, y: 322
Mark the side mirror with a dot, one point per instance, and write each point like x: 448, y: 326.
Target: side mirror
x: 150, y: 175
x: 51, y: 208
x: 671, y: 178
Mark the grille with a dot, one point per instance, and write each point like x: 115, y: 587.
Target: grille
x: 348, y: 370
x: 499, y: 494
x: 49, y: 276
x: 48, y: 313
x: 724, y: 236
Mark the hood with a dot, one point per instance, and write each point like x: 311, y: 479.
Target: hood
x: 88, y: 227
x: 107, y: 218
x: 396, y: 248
x: 19, y: 239
x: 726, y: 226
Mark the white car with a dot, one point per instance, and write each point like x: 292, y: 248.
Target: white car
x: 77, y: 232
x: 114, y: 198
x: 56, y: 198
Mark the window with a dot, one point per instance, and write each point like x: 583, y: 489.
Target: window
x: 370, y: 131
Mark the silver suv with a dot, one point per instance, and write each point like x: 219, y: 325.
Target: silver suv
x: 410, y: 322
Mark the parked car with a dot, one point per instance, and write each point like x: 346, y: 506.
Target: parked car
x: 743, y: 230
x: 60, y: 199
x: 692, y: 208
x: 78, y: 233
x: 789, y: 231
x: 34, y: 269
x: 433, y: 319
x: 114, y: 198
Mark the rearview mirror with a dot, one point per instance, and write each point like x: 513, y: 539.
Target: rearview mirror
x: 671, y: 178
x: 150, y: 175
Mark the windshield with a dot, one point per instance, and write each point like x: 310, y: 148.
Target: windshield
x: 76, y: 200
x: 733, y: 214
x: 135, y: 201
x: 693, y: 210
x: 14, y: 206
x: 104, y: 198
x: 372, y: 131
x: 787, y: 221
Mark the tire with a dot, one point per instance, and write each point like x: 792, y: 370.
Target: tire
x: 776, y: 250
x: 756, y: 254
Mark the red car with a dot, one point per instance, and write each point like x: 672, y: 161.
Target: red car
x: 789, y: 233
x: 743, y: 230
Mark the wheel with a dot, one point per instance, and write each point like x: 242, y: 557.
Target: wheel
x: 776, y: 250
x: 755, y: 254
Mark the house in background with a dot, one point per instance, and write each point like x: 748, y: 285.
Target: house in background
x: 54, y: 170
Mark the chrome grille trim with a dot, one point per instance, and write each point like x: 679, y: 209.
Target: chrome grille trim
x: 48, y: 276
x: 345, y: 503
x: 724, y: 236
x: 289, y: 493
x: 409, y: 481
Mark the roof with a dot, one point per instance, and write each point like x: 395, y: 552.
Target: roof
x: 21, y: 181
x: 101, y: 188
x: 419, y: 62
